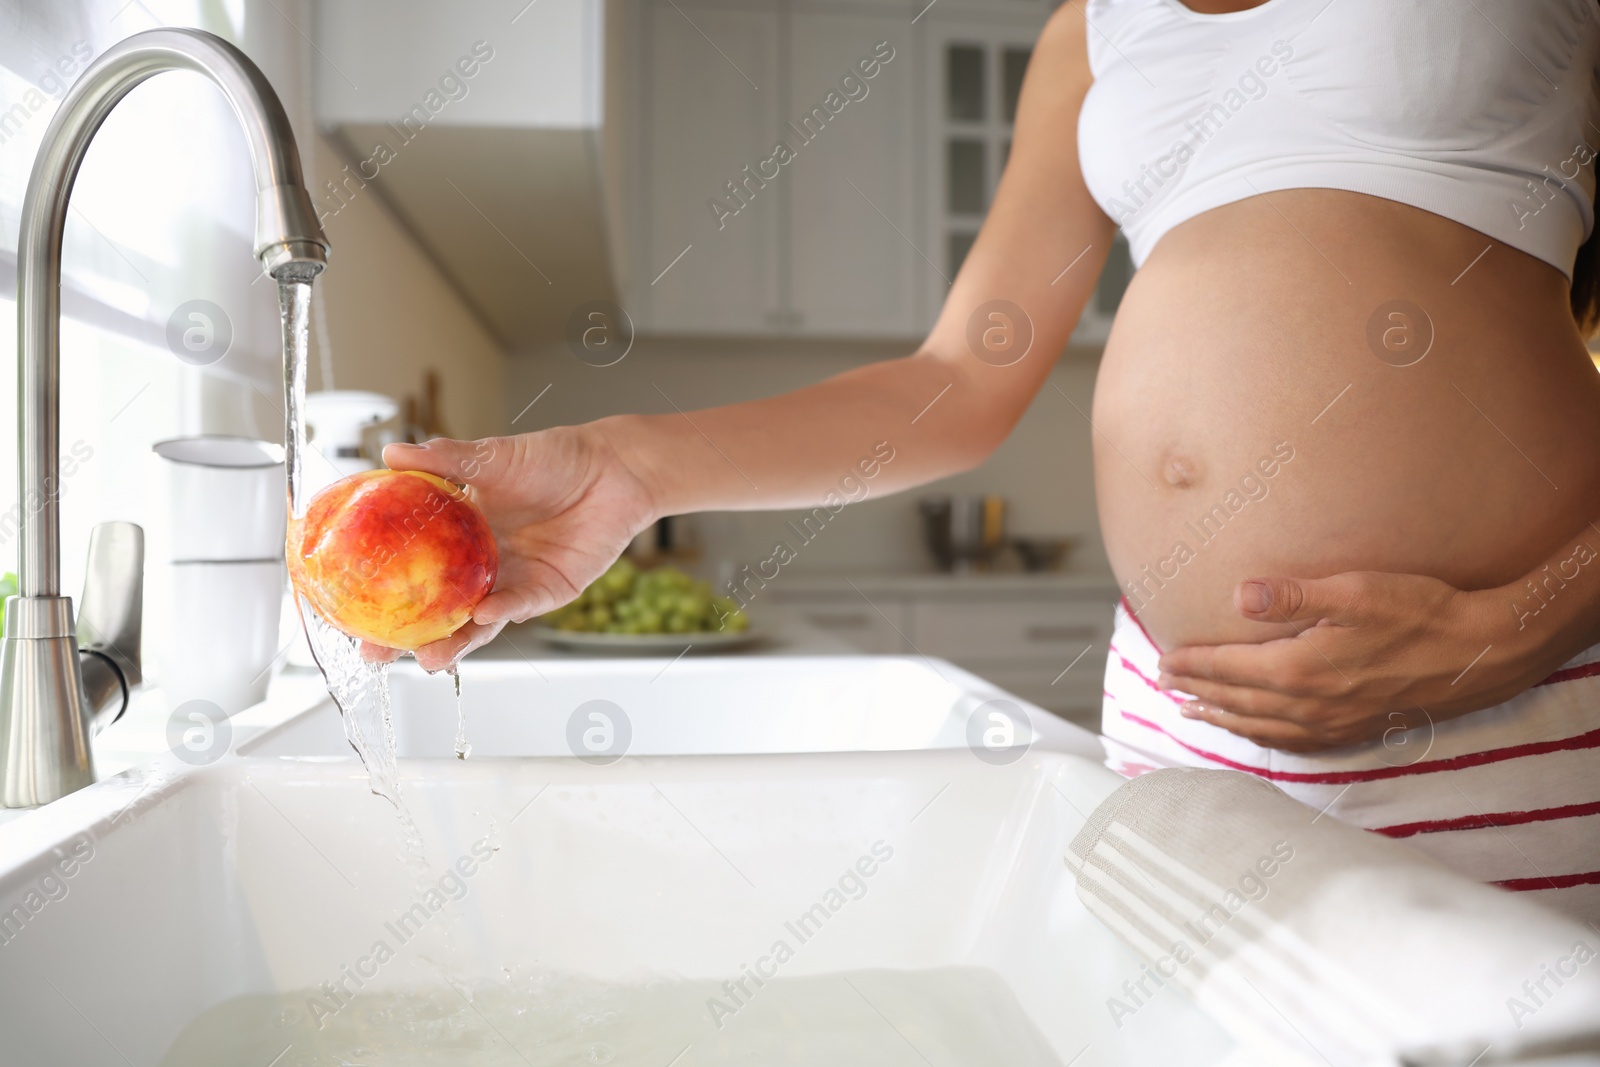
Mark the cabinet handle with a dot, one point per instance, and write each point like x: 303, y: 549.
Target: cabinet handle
x: 853, y: 621
x: 1082, y: 632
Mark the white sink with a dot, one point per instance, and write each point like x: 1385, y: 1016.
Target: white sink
x: 695, y: 705
x: 614, y: 903
x: 845, y: 807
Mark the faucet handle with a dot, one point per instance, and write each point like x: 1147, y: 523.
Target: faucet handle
x: 111, y: 620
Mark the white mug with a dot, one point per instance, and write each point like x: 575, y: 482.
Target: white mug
x: 224, y: 640
x: 225, y: 498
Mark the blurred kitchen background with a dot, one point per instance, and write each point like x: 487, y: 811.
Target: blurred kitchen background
x: 545, y: 212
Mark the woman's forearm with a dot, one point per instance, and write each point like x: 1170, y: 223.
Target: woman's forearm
x: 1553, y: 612
x: 896, y: 424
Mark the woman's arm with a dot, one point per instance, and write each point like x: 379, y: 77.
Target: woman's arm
x: 1381, y: 650
x: 565, y: 502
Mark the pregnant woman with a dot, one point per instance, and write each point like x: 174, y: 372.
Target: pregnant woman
x: 1347, y: 435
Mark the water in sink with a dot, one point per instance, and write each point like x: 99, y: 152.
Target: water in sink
x: 949, y: 1015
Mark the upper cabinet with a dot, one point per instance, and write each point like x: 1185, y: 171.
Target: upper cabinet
x: 972, y: 83
x: 852, y: 267
x: 776, y: 177
x: 817, y: 168
x: 708, y: 259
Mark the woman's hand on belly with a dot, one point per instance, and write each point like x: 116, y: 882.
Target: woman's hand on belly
x: 1374, y: 652
x: 1381, y: 652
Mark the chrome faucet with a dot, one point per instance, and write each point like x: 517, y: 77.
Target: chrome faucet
x: 46, y: 712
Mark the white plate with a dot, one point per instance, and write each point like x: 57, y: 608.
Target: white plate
x: 646, y: 643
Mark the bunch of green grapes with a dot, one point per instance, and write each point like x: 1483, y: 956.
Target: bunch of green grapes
x: 664, y: 600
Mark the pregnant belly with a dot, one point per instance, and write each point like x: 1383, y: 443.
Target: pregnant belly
x: 1323, y: 382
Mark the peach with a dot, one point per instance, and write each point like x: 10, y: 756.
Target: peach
x: 399, y: 558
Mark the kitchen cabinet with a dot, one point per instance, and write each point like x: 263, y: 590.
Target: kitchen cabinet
x: 735, y: 240
x: 877, y: 628
x: 977, y: 55
x: 708, y: 106
x: 1042, y: 637
x: 860, y: 233
x: 852, y: 205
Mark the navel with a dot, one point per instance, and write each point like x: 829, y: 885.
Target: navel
x: 1179, y: 470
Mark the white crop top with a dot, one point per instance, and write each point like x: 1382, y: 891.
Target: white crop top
x: 1482, y: 111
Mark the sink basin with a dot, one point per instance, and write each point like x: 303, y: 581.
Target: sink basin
x: 695, y: 705
x: 552, y: 911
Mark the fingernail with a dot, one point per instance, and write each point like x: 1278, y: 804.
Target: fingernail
x: 1255, y: 597
x: 1190, y: 710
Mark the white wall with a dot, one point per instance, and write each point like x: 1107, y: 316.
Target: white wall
x: 1044, y: 470
x: 392, y: 315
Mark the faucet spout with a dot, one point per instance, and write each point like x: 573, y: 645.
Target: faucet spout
x: 44, y: 715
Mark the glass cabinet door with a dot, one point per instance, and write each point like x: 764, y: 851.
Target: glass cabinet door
x: 980, y: 70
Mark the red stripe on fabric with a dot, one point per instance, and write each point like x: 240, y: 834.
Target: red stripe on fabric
x: 1147, y: 680
x: 1451, y: 763
x: 1556, y: 881
x: 1479, y: 822
x: 1571, y: 674
x: 1129, y: 609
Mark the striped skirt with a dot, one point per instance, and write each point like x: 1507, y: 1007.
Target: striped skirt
x: 1509, y: 795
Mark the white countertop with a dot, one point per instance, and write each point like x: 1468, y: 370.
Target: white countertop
x: 927, y: 583
x: 142, y: 732
x: 784, y: 633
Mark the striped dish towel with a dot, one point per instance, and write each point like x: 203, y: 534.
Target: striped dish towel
x: 1322, y: 944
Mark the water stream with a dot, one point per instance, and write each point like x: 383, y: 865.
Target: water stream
x: 463, y: 748
x: 358, y: 687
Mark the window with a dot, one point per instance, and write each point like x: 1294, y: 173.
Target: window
x: 162, y: 213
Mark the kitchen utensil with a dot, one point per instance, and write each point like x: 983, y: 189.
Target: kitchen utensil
x: 1043, y: 553
x: 224, y: 641
x: 962, y: 531
x: 935, y: 511
x: 225, y: 498
x: 338, y: 425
